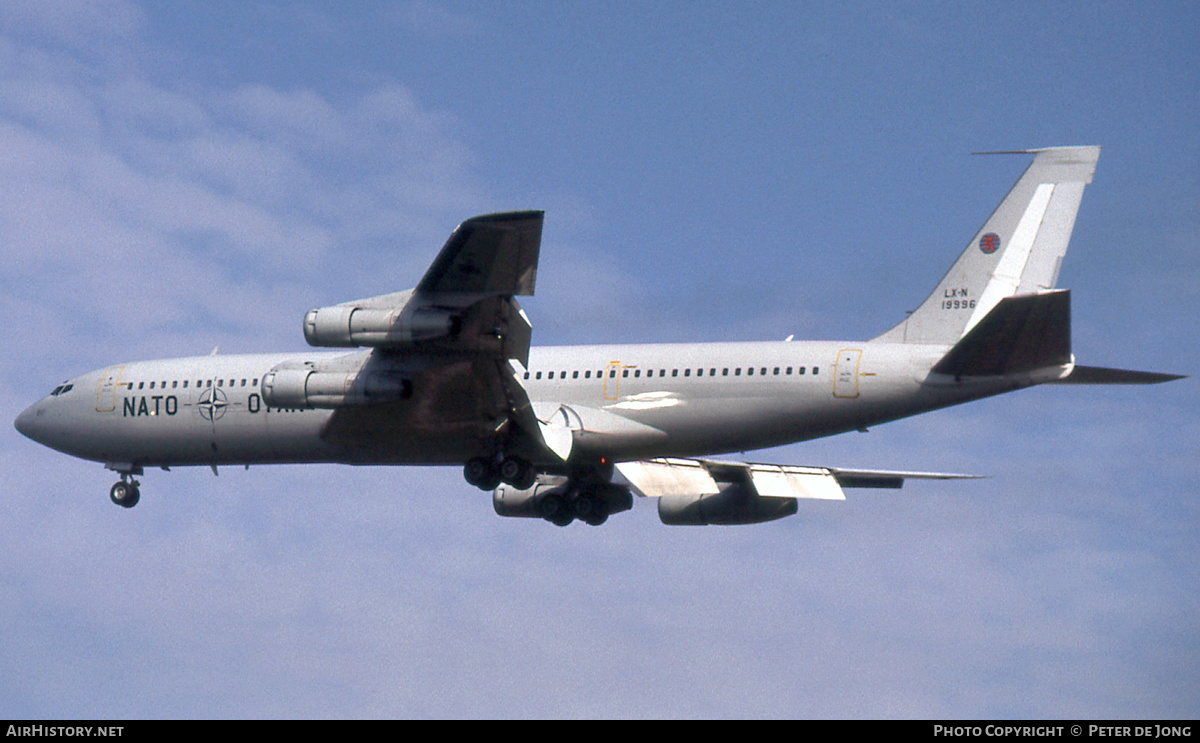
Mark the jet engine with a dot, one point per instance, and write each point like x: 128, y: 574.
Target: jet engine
x: 346, y: 326
x: 735, y: 504
x: 309, y: 388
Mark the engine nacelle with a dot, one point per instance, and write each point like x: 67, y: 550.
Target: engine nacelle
x: 509, y: 501
x: 733, y: 505
x: 308, y: 388
x: 345, y: 326
x: 559, y: 501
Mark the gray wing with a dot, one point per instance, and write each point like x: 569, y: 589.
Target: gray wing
x: 488, y: 254
x: 697, y: 492
x: 438, y: 369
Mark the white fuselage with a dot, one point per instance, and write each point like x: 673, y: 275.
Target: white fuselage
x: 628, y: 402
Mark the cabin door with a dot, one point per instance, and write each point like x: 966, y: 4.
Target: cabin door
x: 845, y: 373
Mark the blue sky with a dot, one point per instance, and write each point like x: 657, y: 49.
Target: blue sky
x: 179, y: 176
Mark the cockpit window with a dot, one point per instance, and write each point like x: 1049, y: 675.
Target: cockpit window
x: 60, y: 389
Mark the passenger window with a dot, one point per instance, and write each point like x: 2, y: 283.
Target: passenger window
x: 687, y: 372
x: 550, y: 375
x: 816, y: 370
x: 141, y: 385
x: 575, y: 375
x: 587, y: 374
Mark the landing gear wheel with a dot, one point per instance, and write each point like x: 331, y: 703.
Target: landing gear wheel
x: 518, y: 473
x: 554, y: 509
x: 590, y: 509
x: 480, y: 473
x: 125, y: 494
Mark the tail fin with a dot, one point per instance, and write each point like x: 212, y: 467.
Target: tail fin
x: 1017, y: 251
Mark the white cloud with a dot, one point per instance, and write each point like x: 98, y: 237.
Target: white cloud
x: 164, y: 201
x: 83, y: 24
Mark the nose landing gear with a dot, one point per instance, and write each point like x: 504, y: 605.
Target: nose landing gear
x: 125, y: 493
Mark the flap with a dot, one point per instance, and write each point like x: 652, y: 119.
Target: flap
x: 664, y: 477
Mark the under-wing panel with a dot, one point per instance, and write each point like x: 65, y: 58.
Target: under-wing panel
x: 488, y: 254
x: 454, y: 407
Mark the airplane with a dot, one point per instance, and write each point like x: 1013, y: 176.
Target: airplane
x: 444, y: 374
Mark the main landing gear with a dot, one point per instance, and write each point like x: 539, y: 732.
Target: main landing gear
x: 487, y: 474
x: 586, y: 494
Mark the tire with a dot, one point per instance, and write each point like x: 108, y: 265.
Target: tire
x: 125, y: 495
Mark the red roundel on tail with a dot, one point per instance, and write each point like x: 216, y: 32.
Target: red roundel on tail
x: 989, y: 243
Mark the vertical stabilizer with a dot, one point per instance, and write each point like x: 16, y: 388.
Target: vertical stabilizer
x: 1017, y: 251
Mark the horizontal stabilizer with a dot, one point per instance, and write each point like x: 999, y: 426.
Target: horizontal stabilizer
x: 1020, y: 334
x: 1102, y: 375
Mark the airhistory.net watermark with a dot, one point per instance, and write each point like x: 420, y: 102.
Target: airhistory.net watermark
x: 64, y: 731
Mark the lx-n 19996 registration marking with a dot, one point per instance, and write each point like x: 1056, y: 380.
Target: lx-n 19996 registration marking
x: 956, y: 299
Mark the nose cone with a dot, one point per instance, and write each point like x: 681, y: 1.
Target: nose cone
x: 32, y: 422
